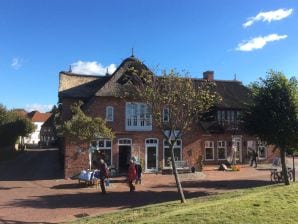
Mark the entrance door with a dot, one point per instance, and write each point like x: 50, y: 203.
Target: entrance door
x: 124, y: 157
x: 151, y: 154
x: 237, y: 148
x: 151, y: 158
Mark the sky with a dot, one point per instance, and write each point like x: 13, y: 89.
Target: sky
x: 234, y: 38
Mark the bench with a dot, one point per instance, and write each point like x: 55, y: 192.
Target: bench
x: 181, y: 166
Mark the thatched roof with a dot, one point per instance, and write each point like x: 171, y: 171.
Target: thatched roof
x: 79, y: 86
x: 234, y: 94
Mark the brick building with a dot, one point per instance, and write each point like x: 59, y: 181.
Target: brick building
x: 135, y: 135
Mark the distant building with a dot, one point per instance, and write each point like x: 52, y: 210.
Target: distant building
x: 48, y: 134
x: 38, y: 119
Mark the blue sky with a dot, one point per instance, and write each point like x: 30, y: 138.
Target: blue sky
x: 38, y: 39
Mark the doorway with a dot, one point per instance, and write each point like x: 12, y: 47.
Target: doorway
x: 237, y: 148
x: 151, y: 155
x: 124, y: 157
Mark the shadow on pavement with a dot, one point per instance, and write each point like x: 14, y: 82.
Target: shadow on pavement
x: 97, y: 200
x: 32, y: 165
x: 6, y: 221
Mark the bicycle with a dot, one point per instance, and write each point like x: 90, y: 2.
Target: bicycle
x: 277, y: 177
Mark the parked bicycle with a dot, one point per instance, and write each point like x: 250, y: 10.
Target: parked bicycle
x: 277, y: 177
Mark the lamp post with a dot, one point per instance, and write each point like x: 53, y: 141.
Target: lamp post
x: 294, y: 173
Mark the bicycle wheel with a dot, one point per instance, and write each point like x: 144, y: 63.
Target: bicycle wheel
x: 273, y: 177
x: 290, y: 174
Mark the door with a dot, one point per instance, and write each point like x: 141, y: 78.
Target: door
x: 151, y: 158
x: 237, y: 149
x: 124, y: 157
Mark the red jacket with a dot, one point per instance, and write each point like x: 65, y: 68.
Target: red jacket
x: 132, y: 173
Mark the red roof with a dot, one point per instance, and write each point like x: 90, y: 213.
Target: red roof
x: 36, y: 116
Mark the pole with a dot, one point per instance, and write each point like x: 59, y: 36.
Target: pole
x: 294, y: 173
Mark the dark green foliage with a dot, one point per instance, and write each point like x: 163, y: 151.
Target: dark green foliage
x: 13, y: 126
x: 273, y: 114
x: 82, y: 129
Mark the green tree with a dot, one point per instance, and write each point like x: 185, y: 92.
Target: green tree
x: 273, y: 113
x: 13, y: 126
x: 182, y: 99
x: 82, y: 129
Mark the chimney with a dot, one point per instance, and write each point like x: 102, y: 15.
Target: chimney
x: 208, y: 75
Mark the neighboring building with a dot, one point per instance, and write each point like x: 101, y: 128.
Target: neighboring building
x: 212, y: 139
x: 48, y: 136
x: 38, y: 119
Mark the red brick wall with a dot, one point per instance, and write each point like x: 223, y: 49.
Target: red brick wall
x: 193, y: 142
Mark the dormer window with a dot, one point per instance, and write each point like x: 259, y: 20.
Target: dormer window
x: 109, y: 113
x: 227, y: 117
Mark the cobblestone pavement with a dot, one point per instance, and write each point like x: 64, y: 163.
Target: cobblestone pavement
x: 32, y: 191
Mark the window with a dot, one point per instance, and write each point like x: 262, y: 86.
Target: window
x: 221, y: 150
x: 227, y: 117
x: 124, y: 141
x: 262, y: 150
x: 109, y: 113
x: 209, y: 150
x: 167, y: 152
x: 151, y: 141
x: 138, y: 117
x: 103, y: 150
x: 166, y: 114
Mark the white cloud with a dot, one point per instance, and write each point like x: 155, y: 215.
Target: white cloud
x: 91, y: 68
x: 259, y: 42
x: 269, y: 16
x: 17, y: 63
x: 39, y: 107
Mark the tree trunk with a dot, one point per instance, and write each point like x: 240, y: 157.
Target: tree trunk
x: 178, y: 184
x: 284, y: 167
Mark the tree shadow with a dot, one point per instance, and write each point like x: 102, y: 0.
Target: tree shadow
x: 220, y: 184
x: 6, y: 221
x: 97, y: 200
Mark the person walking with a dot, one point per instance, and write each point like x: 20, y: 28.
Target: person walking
x: 139, y: 173
x: 103, y: 175
x: 132, y: 175
x: 254, y: 156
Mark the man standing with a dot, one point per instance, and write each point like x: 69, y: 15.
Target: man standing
x: 103, y: 175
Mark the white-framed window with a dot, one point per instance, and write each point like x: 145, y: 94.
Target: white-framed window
x: 262, y: 150
x: 221, y: 150
x: 151, y: 141
x: 167, y: 152
x: 124, y: 141
x: 227, y: 117
x: 109, y: 113
x: 138, y: 117
x: 209, y: 150
x: 166, y: 114
x: 103, y: 151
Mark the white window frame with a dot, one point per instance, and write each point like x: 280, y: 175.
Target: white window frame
x: 110, y: 113
x: 125, y: 141
x: 166, y: 114
x: 136, y: 119
x: 105, y: 147
x: 209, y: 145
x: 167, y: 146
x: 221, y: 145
x: 151, y: 142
